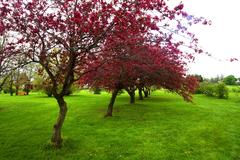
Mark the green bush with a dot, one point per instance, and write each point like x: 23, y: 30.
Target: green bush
x: 205, y: 88
x: 209, y: 90
x: 8, y: 90
x: 198, y: 91
x: 48, y: 90
x: 236, y: 89
x: 219, y: 90
x: 230, y: 80
x: 96, y: 90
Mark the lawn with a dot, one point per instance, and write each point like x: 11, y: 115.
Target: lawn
x: 162, y: 127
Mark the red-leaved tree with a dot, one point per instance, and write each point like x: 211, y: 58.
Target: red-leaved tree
x: 66, y: 36
x: 137, y: 66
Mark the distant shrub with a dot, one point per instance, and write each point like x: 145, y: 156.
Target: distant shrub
x: 204, y: 88
x: 97, y: 90
x: 236, y: 89
x: 48, y: 91
x: 8, y: 90
x: 5, y: 90
x: 209, y: 90
x: 219, y: 90
x: 198, y: 90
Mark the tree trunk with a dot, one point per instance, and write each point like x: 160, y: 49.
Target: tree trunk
x: 132, y: 98
x: 131, y: 93
x: 56, y: 137
x: 110, y: 106
x: 11, y: 88
x: 17, y: 88
x: 3, y: 82
x: 140, y: 93
x: 145, y: 93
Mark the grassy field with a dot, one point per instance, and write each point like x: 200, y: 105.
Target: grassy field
x: 162, y: 127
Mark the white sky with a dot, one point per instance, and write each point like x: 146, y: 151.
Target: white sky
x: 221, y: 39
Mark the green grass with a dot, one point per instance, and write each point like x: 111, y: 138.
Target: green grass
x: 162, y: 127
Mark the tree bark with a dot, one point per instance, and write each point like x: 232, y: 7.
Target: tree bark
x: 57, y: 137
x: 110, y: 106
x: 140, y: 93
x: 3, y: 82
x: 132, y: 98
x: 131, y: 93
x: 11, y: 88
x: 146, y: 92
x: 17, y: 88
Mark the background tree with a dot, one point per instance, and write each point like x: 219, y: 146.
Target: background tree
x: 230, y: 80
x: 11, y: 56
x: 7, y: 60
x: 42, y: 82
x: 24, y: 82
x: 216, y: 79
x: 199, y: 77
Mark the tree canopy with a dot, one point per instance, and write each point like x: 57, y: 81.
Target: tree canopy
x: 132, y: 40
x: 230, y: 80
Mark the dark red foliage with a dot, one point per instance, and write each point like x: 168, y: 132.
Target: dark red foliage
x: 121, y: 40
x: 179, y: 7
x: 68, y: 37
x: 145, y: 64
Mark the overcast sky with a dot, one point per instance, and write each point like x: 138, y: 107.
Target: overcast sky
x: 221, y: 39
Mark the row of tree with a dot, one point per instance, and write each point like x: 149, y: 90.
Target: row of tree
x: 96, y: 43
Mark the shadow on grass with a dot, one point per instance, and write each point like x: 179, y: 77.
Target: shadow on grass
x: 158, y: 99
x: 150, y: 98
x: 74, y: 95
x: 141, y: 104
x: 104, y: 110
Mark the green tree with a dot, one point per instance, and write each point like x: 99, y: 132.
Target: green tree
x: 199, y: 77
x: 230, y: 80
